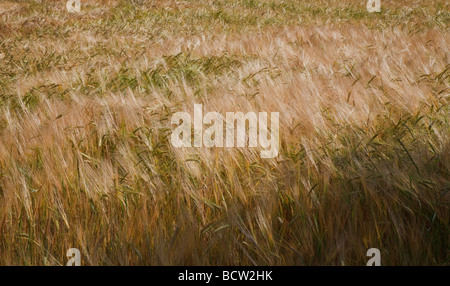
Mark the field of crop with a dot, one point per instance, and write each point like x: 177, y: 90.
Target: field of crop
x: 86, y: 161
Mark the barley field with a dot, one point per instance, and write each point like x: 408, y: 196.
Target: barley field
x: 86, y: 161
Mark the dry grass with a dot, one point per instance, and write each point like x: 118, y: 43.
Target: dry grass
x: 86, y: 162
